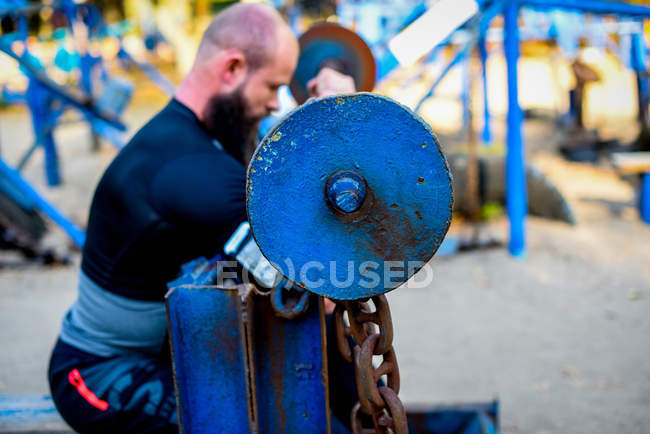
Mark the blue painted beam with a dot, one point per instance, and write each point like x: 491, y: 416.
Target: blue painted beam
x: 515, y: 170
x: 486, y: 135
x: 290, y: 370
x: 481, y: 24
x: 211, y: 359
x: 593, y: 6
x: 644, y: 202
x: 81, y: 102
x: 14, y: 178
x: 151, y: 72
x: 235, y: 358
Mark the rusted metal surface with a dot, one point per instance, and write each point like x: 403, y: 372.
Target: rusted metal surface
x: 362, y: 317
x: 403, y: 218
x: 289, y: 303
x: 208, y: 334
x: 290, y: 370
x: 331, y: 45
x: 238, y: 366
x: 367, y: 375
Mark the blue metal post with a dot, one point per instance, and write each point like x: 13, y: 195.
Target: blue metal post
x: 235, y: 358
x: 644, y: 202
x: 486, y: 135
x: 638, y: 59
x: 290, y: 370
x: 515, y: 171
x: 210, y: 353
x: 465, y: 94
x: 43, y: 122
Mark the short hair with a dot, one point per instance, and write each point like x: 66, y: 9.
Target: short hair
x: 250, y: 28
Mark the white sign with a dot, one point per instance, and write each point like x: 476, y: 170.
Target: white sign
x: 430, y: 29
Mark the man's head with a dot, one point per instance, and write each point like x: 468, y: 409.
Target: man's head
x: 246, y: 54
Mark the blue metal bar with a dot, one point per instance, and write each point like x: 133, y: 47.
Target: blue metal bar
x: 151, y: 72
x: 81, y: 102
x: 43, y: 122
x: 644, y: 200
x: 515, y: 171
x: 593, y: 6
x: 235, y: 358
x: 460, y: 55
x: 486, y: 135
x: 290, y: 370
x: 465, y: 92
x: 638, y: 62
x: 25, y: 158
x: 77, y: 235
x: 210, y: 354
x: 107, y: 132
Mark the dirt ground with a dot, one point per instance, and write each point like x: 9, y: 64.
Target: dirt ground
x: 560, y: 337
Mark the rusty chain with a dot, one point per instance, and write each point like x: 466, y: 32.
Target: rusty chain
x: 372, y: 332
x: 289, y: 303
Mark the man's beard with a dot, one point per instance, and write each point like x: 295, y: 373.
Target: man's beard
x: 225, y: 117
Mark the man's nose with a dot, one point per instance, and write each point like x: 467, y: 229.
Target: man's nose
x: 273, y: 105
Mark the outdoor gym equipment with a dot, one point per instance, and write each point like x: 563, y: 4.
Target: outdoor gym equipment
x: 347, y: 197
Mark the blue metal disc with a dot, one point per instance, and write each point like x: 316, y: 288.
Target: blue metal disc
x: 400, y: 214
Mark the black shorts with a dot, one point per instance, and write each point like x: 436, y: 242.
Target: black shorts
x: 130, y: 393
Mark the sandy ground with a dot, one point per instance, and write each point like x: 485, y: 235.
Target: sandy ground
x: 561, y: 337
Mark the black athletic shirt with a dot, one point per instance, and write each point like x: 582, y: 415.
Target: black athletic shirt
x: 170, y: 195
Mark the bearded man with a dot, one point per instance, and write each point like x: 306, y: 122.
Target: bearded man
x: 174, y: 193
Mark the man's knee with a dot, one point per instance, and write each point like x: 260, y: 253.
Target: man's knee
x: 133, y: 395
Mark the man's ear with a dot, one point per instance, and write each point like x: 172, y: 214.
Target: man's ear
x: 234, y: 70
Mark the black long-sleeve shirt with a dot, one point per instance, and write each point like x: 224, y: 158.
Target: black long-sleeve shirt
x: 172, y: 194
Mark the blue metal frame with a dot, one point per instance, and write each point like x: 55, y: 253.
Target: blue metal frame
x: 515, y: 169
x: 40, y: 94
x: 290, y: 370
x: 486, y: 134
x: 240, y: 368
x: 237, y: 366
x: 16, y: 181
x: 210, y: 359
x: 479, y: 25
x: 515, y: 172
x: 644, y: 199
x: 593, y: 6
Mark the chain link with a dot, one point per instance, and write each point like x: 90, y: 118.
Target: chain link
x: 381, y: 403
x: 289, y: 303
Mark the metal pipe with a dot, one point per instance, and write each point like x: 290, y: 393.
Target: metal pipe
x: 594, y: 6
x: 644, y: 202
x: 77, y: 235
x: 515, y: 172
x: 486, y: 135
x: 151, y: 72
x: 481, y: 25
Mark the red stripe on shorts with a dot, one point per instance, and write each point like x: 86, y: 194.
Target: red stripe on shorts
x: 74, y: 377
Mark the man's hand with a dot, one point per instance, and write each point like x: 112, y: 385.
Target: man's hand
x: 329, y: 306
x: 330, y: 82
